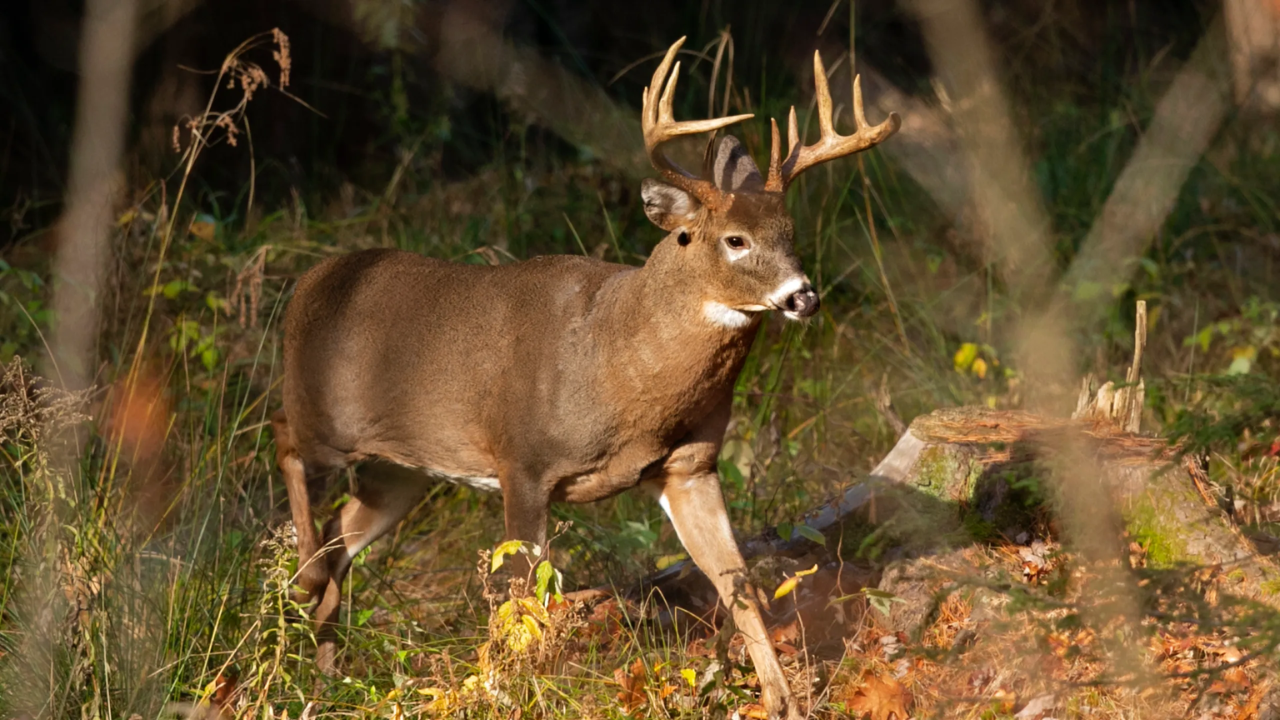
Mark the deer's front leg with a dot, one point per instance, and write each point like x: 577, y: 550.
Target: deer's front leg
x: 696, y: 508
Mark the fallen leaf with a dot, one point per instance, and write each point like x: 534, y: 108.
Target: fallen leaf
x: 203, y: 229
x: 751, y: 710
x: 882, y: 698
x: 1037, y: 708
x: 633, y: 683
x: 785, y: 633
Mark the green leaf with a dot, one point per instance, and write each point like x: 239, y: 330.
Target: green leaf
x: 881, y: 600
x: 786, y: 531
x: 217, y: 303
x: 810, y: 534
x: 363, y: 616
x: 732, y: 475
x: 548, y: 583
x: 1242, y: 360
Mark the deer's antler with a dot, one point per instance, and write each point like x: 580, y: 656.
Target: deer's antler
x: 831, y: 144
x: 659, y: 126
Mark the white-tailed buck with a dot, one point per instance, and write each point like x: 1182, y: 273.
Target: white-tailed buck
x: 559, y: 378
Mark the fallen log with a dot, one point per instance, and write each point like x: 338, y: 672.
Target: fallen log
x: 965, y: 475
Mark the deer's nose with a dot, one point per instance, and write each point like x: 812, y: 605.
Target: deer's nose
x: 803, y: 302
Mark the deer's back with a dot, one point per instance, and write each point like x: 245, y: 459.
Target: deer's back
x: 394, y: 355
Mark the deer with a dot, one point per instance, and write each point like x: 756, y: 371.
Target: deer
x: 559, y: 378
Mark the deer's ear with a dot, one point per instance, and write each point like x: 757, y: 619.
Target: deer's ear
x: 732, y: 168
x: 667, y: 206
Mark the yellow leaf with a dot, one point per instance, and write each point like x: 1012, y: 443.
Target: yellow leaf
x: 690, y: 677
x: 534, y: 609
x: 510, y: 547
x: 980, y: 368
x: 431, y: 692
x: 534, y: 629
x: 786, y: 587
x: 965, y: 356
x: 790, y: 583
x: 667, y: 561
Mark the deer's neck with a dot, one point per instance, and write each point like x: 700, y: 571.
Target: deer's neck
x: 661, y: 347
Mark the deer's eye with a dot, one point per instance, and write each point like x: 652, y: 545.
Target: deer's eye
x: 736, y: 243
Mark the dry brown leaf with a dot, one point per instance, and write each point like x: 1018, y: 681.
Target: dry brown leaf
x: 1250, y: 709
x: 633, y: 683
x: 882, y: 698
x: 786, y: 649
x: 785, y: 633
x: 752, y: 710
x: 203, y: 230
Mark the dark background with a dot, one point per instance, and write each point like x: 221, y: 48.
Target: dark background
x: 1082, y: 52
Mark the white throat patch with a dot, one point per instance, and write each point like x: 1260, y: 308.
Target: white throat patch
x: 724, y: 316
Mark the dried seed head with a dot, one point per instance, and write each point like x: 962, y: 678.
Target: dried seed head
x: 281, y: 55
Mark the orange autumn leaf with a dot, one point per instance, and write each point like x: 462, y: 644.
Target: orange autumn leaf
x: 633, y: 683
x: 882, y: 699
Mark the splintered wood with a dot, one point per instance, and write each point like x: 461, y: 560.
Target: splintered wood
x: 1119, y: 405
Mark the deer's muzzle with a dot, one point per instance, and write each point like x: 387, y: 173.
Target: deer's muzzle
x: 802, y: 303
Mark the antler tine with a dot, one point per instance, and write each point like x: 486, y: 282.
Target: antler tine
x: 831, y: 144
x: 774, y: 182
x: 826, y: 124
x: 659, y: 125
x: 859, y: 118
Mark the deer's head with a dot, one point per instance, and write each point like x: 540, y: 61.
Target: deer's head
x: 735, y: 237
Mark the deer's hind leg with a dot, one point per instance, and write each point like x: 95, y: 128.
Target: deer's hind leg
x: 313, y: 573
x: 384, y: 495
